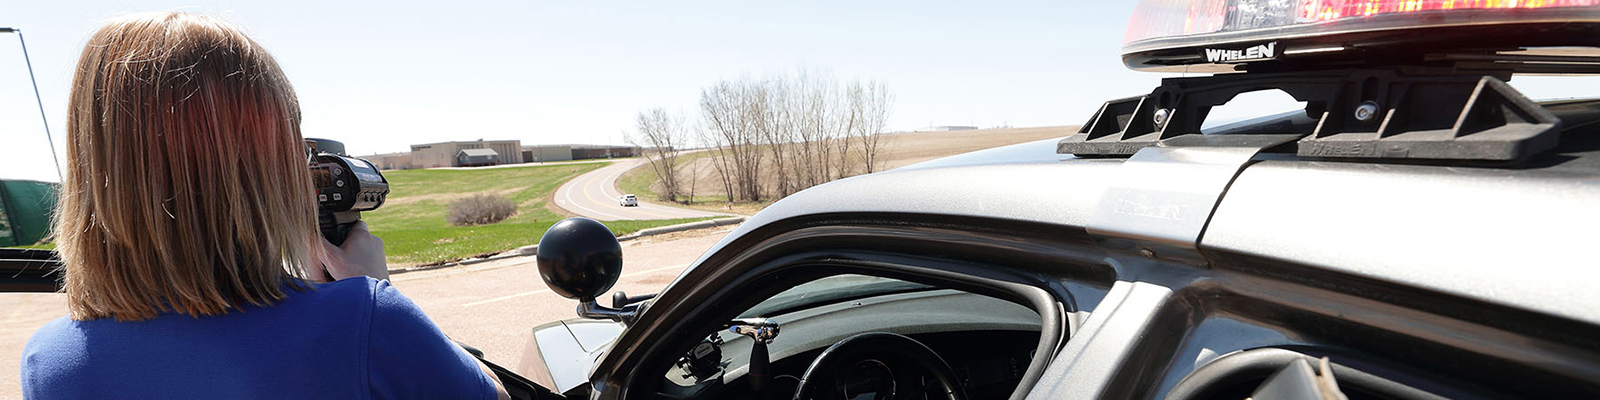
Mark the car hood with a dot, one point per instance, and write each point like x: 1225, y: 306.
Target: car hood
x: 567, y: 351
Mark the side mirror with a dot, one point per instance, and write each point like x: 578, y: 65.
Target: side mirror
x: 579, y: 258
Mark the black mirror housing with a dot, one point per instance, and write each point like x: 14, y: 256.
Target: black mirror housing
x: 579, y: 258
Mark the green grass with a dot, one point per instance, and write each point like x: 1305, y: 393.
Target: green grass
x: 413, y: 226
x: 637, y: 181
x: 433, y: 245
x: 412, y: 223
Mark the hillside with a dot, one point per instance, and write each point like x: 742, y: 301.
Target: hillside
x: 900, y: 150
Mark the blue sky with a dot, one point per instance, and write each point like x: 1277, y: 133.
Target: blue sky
x: 383, y: 75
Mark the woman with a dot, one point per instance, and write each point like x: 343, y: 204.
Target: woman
x: 188, y: 233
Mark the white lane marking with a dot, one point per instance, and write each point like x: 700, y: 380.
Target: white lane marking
x: 546, y: 290
x: 608, y: 185
x: 657, y: 210
x: 588, y: 192
x: 585, y: 183
x: 566, y: 191
x: 644, y: 210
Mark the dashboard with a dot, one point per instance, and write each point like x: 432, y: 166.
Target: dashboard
x: 987, y: 343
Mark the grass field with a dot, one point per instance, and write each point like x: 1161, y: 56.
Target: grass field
x: 412, y: 222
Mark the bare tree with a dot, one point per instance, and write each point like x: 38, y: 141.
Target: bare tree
x: 719, y: 161
x: 814, y: 110
x: 852, y: 119
x: 776, y: 131
x: 875, y: 104
x: 802, y: 130
x: 660, y: 135
x: 731, y: 117
x: 693, y: 180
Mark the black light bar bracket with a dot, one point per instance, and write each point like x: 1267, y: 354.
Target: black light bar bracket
x: 1362, y: 113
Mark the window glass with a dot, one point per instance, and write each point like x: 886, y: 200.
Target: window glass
x: 986, y: 343
x: 829, y: 290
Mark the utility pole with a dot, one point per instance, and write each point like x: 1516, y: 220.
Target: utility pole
x: 36, y: 98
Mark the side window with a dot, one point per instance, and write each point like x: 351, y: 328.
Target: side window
x: 862, y: 337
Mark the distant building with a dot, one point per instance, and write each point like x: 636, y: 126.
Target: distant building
x: 546, y: 153
x: 949, y: 128
x: 586, y: 152
x: 477, y: 157
x: 444, y: 154
x: 393, y: 161
x: 491, y: 152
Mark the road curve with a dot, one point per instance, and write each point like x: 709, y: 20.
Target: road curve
x: 594, y: 195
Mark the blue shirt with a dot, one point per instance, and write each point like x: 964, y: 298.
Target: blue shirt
x: 357, y: 338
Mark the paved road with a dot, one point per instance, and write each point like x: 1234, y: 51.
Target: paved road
x: 594, y: 195
x: 492, y: 306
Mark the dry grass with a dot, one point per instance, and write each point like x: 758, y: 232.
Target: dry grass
x: 899, y: 150
x: 911, y: 148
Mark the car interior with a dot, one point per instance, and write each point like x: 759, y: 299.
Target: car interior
x: 857, y: 336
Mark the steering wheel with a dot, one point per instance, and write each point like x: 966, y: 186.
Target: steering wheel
x: 888, y: 366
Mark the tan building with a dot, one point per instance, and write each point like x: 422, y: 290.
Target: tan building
x: 546, y: 153
x: 443, y: 154
x: 392, y: 161
x: 449, y: 154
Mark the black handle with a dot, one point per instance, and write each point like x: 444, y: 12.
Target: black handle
x: 759, y: 366
x: 336, y: 226
x: 336, y: 233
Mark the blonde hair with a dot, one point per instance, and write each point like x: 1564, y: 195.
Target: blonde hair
x: 186, y: 188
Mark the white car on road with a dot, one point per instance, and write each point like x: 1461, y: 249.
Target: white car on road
x: 628, y: 200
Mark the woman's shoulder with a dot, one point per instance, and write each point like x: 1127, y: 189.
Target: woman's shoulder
x: 379, y: 293
x: 340, y: 299
x: 354, y: 286
x: 51, y: 351
x: 387, y: 301
x: 53, y: 334
x: 378, y: 296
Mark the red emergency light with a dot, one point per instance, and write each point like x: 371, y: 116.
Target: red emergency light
x: 1179, y: 34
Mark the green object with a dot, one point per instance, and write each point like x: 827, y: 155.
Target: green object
x: 25, y: 211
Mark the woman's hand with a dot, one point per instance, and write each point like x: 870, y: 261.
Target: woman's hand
x: 361, y: 254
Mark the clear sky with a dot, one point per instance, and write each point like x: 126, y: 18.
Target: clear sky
x: 383, y: 75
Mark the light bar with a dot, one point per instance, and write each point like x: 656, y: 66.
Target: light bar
x: 1165, y: 25
x: 1167, y: 18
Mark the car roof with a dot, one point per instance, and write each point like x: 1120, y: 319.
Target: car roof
x: 1513, y: 236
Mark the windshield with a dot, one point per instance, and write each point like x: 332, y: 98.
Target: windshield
x: 829, y: 290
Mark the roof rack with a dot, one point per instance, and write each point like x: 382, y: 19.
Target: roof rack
x: 1360, y: 113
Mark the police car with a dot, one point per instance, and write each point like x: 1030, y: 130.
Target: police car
x: 1420, y: 230
x: 628, y: 200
